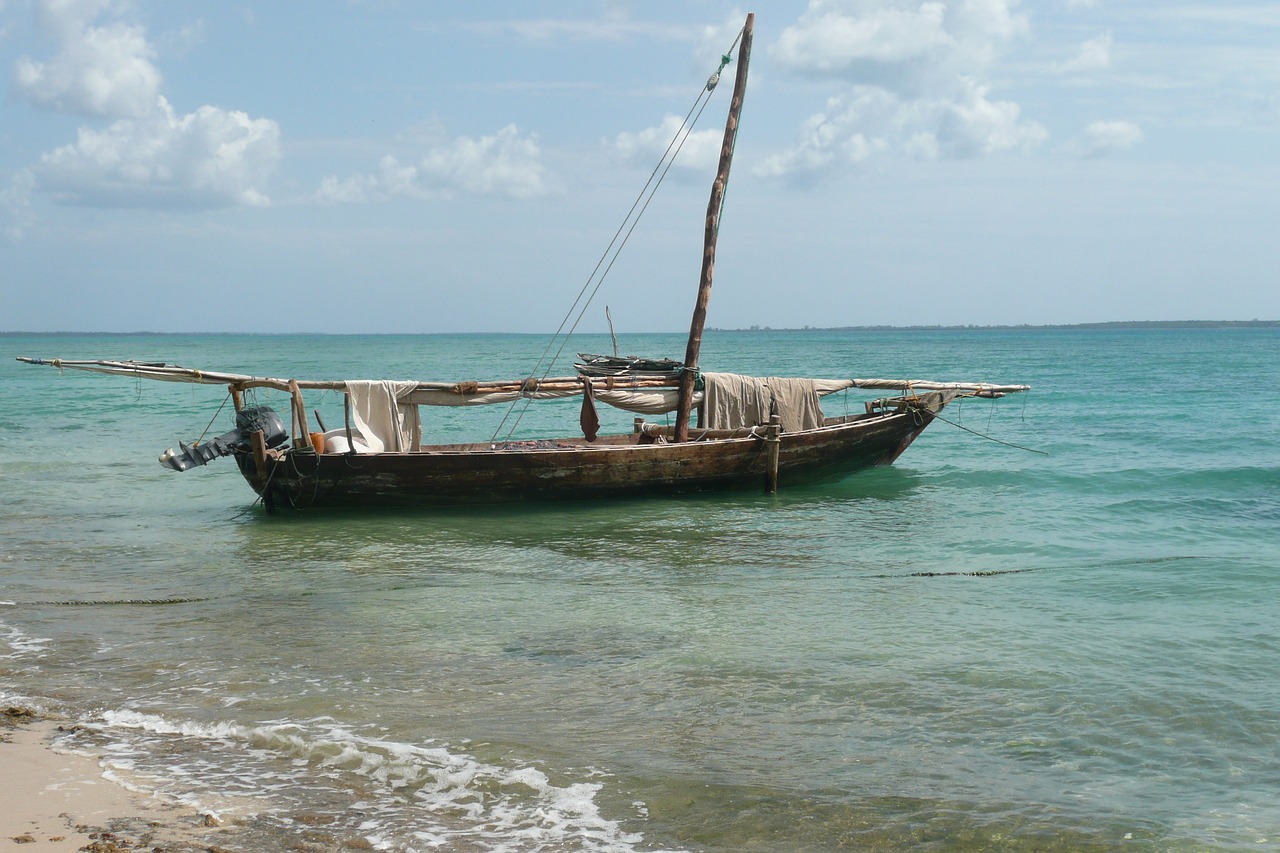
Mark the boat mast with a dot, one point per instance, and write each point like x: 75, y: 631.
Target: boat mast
x: 689, y: 376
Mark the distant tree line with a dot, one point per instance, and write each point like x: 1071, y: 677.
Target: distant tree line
x: 1114, y: 324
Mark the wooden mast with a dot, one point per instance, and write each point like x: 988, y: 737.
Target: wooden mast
x: 687, y: 379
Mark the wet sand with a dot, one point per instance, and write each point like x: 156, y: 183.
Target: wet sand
x: 55, y: 801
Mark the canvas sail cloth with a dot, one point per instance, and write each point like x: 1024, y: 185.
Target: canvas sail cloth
x: 645, y: 401
x: 653, y: 401
x: 740, y: 400
x: 734, y: 401
x: 383, y: 415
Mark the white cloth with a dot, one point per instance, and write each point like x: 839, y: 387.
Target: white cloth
x: 381, y: 412
x: 794, y: 395
x: 645, y: 401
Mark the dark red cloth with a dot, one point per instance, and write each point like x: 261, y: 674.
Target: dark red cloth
x: 589, y: 419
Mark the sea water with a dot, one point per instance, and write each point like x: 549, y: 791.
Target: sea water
x: 1066, y: 641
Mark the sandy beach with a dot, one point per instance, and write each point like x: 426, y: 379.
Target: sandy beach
x: 55, y: 801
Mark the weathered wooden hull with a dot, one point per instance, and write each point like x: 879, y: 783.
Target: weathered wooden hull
x: 614, y: 466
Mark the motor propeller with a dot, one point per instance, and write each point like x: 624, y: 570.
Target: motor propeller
x: 248, y: 421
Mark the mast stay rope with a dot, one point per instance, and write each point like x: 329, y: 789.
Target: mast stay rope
x: 543, y: 367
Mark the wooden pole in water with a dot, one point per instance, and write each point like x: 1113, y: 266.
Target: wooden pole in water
x: 687, y: 379
x: 773, y: 444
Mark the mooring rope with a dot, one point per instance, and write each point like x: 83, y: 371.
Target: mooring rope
x: 990, y: 438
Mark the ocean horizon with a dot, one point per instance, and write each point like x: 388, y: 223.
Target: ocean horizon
x: 925, y: 327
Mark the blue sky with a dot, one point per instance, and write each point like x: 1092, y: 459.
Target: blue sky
x: 389, y: 166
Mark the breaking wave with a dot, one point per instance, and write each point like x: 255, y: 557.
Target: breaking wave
x: 396, y: 796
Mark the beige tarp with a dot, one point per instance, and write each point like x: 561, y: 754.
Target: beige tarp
x: 645, y: 401
x: 797, y: 398
x: 734, y: 401
x: 384, y: 414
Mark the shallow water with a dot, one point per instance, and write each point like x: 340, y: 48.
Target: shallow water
x: 978, y: 648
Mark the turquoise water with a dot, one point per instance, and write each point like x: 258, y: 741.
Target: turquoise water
x: 980, y: 648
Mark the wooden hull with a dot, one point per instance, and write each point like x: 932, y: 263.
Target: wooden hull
x: 611, y: 467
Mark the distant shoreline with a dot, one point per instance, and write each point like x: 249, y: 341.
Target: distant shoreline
x: 1114, y: 324
x: 971, y: 327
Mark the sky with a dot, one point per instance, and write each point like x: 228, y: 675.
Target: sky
x: 370, y: 166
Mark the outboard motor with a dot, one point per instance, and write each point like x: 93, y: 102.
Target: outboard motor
x: 248, y: 421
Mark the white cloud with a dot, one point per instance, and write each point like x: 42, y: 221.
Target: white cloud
x: 208, y: 158
x: 917, y: 75
x: 505, y: 164
x: 854, y: 127
x: 700, y: 150
x: 149, y: 156
x: 1105, y: 137
x: 98, y: 70
x: 1093, y: 55
x: 971, y: 124
x: 868, y: 120
x: 15, y: 205
x: 354, y: 190
x: 898, y: 43
x: 831, y: 39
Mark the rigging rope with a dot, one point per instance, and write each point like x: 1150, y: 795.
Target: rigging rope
x: 989, y: 438
x: 209, y: 425
x: 614, y: 249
